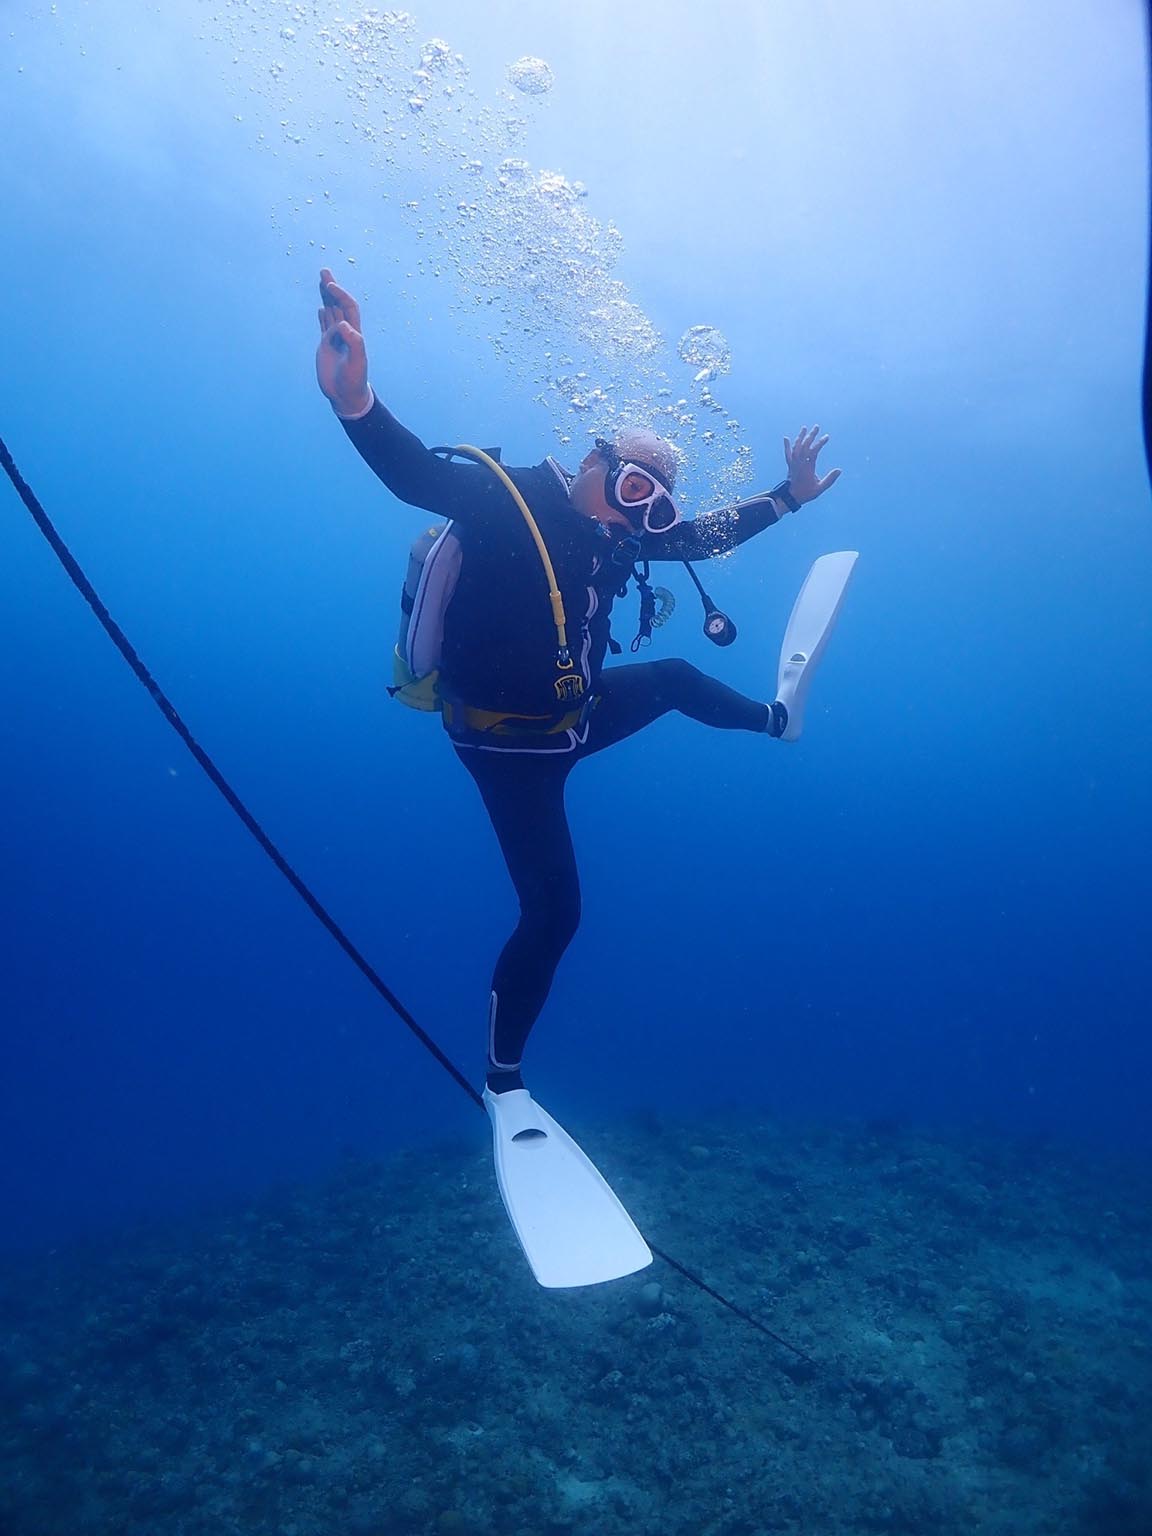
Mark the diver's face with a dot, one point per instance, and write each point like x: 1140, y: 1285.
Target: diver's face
x: 587, y: 492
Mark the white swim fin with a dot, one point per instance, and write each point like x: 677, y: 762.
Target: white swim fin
x: 571, y: 1226
x: 805, y: 639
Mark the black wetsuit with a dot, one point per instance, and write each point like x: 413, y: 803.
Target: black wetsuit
x: 499, y: 655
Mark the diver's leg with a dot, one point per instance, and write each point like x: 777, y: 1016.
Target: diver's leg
x: 631, y: 697
x: 524, y: 797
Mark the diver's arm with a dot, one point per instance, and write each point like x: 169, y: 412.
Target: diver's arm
x: 411, y: 471
x: 341, y: 357
x: 715, y: 533
x: 395, y: 455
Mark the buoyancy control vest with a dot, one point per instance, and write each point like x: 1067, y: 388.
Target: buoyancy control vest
x: 433, y: 572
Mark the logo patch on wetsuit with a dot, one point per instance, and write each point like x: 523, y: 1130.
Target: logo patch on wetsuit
x: 571, y: 686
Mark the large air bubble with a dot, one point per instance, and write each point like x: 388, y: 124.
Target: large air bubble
x: 705, y: 348
x: 532, y: 76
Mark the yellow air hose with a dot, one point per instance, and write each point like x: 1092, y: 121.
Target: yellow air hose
x: 559, y: 618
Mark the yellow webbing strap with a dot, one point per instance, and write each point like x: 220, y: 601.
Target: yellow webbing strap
x: 559, y: 618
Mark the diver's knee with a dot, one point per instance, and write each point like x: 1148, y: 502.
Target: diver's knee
x: 551, y: 923
x: 675, y: 676
x: 565, y: 920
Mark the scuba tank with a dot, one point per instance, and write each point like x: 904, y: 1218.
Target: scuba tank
x: 430, y: 581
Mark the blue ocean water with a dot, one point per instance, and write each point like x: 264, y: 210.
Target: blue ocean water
x: 923, y: 227
x: 934, y: 907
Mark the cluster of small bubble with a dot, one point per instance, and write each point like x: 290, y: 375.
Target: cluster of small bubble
x: 533, y: 266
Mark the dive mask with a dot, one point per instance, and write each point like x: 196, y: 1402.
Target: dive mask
x: 638, y: 492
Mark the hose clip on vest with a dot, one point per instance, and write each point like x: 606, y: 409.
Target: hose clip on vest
x: 569, y: 686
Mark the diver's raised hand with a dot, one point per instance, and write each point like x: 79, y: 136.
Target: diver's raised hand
x: 800, y: 456
x: 341, y: 358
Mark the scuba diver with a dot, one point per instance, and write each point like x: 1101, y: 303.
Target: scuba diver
x: 512, y: 606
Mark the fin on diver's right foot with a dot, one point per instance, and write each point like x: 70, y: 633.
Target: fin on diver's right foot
x: 806, y: 638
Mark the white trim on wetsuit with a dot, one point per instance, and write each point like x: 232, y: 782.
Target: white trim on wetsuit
x: 561, y: 473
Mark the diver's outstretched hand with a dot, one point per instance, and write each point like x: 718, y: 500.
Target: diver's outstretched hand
x: 341, y: 358
x: 800, y: 456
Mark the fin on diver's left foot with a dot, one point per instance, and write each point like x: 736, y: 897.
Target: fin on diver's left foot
x: 570, y: 1224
